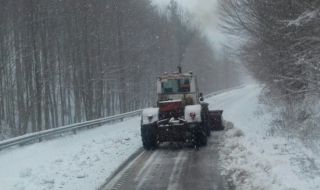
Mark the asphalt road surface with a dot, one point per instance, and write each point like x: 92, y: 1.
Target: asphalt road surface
x: 173, y: 167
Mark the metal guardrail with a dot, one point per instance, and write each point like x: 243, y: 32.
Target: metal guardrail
x: 38, y: 136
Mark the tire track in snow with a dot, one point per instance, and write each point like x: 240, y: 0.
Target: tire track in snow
x: 177, y: 171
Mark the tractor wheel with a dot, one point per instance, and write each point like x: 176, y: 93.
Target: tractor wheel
x: 203, y: 139
x: 200, y: 137
x: 207, y: 129
x: 149, y: 137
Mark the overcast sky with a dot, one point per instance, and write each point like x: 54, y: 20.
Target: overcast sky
x: 205, y: 14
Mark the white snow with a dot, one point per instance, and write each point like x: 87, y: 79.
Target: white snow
x: 74, y: 162
x: 304, y: 18
x: 250, y: 154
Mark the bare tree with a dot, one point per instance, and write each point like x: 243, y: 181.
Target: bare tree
x: 69, y: 61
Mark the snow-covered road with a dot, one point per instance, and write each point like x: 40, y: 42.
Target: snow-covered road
x: 250, y: 156
x: 173, y: 167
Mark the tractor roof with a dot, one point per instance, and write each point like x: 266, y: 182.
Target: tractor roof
x: 175, y: 75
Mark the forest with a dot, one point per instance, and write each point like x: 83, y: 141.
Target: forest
x: 281, y: 49
x: 63, y: 62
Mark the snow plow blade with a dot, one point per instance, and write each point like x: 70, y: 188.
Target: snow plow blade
x: 216, y: 120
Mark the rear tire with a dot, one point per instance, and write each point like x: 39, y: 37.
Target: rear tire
x: 149, y: 137
x: 203, y: 139
x: 207, y: 128
x: 200, y: 137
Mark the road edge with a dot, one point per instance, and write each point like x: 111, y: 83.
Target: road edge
x: 121, y: 167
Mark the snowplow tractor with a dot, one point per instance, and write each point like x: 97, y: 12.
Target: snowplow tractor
x: 180, y: 115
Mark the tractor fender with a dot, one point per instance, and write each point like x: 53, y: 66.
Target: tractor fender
x: 149, y: 116
x: 192, y: 113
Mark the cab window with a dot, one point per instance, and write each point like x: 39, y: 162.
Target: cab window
x: 175, y: 86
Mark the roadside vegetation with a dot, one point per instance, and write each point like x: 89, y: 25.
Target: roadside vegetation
x: 281, y: 49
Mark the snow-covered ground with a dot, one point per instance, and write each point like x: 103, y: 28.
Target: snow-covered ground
x: 254, y: 158
x: 249, y: 154
x: 75, y: 162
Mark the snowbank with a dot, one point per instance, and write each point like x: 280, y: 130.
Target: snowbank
x: 255, y: 159
x: 76, y: 162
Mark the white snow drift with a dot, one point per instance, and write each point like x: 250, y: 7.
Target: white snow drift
x: 76, y: 162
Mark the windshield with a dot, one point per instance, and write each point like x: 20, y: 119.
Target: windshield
x: 175, y: 86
